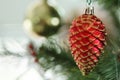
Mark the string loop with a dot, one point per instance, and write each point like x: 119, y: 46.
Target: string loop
x: 89, y: 2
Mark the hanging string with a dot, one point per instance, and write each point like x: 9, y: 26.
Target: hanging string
x: 89, y: 2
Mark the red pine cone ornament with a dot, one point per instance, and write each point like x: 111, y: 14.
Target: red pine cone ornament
x: 87, y: 41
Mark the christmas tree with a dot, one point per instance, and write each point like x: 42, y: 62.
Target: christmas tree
x: 55, y: 50
x: 53, y: 54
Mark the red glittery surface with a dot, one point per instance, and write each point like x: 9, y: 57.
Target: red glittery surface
x: 87, y: 41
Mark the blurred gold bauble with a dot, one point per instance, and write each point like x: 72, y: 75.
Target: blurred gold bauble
x: 42, y: 19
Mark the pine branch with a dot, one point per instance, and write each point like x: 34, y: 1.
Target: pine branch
x: 110, y: 4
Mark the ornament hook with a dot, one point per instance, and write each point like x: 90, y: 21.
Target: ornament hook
x: 90, y: 9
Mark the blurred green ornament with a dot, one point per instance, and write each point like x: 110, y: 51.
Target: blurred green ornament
x: 42, y: 19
